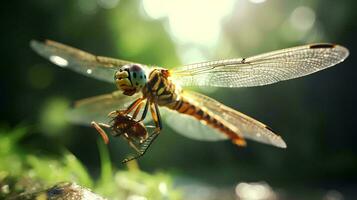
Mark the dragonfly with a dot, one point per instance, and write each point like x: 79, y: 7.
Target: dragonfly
x: 162, y: 92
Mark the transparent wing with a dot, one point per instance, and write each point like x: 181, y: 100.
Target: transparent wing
x: 97, y: 108
x: 102, y: 68
x: 190, y: 127
x: 241, y: 124
x: 262, y: 69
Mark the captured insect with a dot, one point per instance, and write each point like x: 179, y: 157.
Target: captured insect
x: 143, y: 89
x: 133, y: 131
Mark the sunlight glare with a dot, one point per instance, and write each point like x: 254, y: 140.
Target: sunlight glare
x: 163, y: 188
x: 191, y: 54
x: 197, y: 22
x: 155, y: 9
x: 59, y: 61
x: 257, y: 1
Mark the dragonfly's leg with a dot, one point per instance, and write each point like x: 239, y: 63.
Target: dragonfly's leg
x: 158, y: 119
x: 98, y: 127
x: 133, y: 105
x: 131, y: 142
x: 137, y: 110
x: 158, y: 127
x: 147, y: 142
x: 145, y: 111
x: 143, y: 147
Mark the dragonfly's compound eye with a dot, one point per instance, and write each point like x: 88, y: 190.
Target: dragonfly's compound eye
x: 138, y: 76
x: 130, y: 78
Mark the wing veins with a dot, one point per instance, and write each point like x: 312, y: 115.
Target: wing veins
x: 238, y: 122
x: 265, y: 68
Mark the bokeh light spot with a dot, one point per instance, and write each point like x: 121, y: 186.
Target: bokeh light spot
x: 53, y: 116
x: 302, y: 18
x: 333, y: 195
x: 254, y: 191
x: 40, y: 77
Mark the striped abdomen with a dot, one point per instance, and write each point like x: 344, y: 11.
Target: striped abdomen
x: 168, y: 95
x: 185, y: 107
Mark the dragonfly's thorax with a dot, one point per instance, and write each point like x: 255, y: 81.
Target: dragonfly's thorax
x: 160, y: 88
x: 130, y: 78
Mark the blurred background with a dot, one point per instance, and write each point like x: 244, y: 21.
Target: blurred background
x: 316, y: 115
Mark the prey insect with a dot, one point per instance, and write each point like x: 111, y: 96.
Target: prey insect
x: 143, y: 89
x: 132, y: 130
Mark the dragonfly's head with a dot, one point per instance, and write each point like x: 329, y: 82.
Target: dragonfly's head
x: 130, y: 78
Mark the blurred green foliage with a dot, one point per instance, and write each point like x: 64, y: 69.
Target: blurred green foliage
x: 24, y: 172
